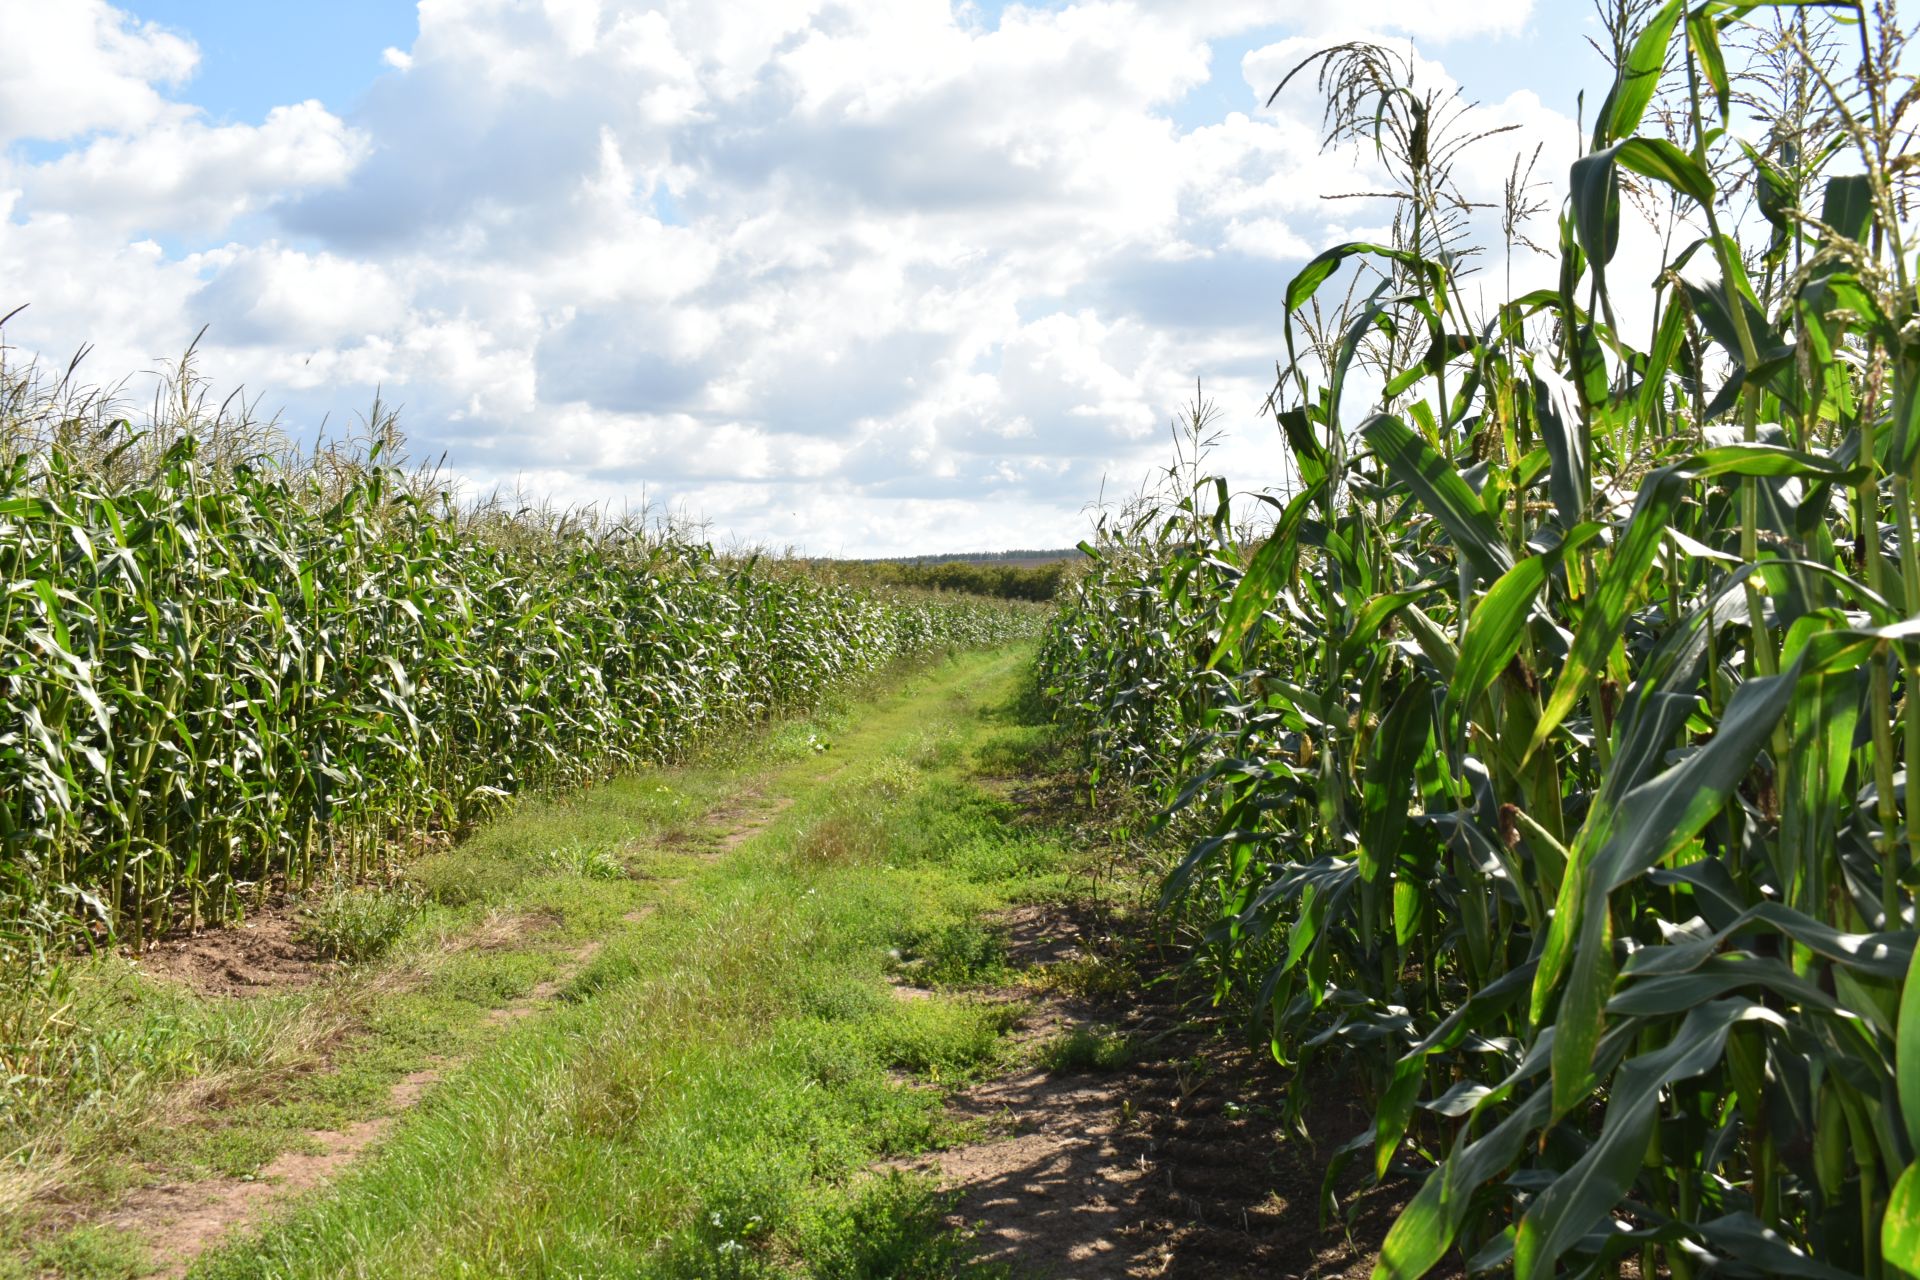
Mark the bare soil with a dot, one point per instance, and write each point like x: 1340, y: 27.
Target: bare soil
x: 261, y: 956
x: 1177, y: 1165
x: 180, y: 1221
x: 725, y: 829
x: 746, y: 818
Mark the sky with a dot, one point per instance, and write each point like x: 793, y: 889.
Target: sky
x: 851, y: 277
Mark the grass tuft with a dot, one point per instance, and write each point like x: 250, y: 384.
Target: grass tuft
x: 355, y: 923
x: 1084, y: 1048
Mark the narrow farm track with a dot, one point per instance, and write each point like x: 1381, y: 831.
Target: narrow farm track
x: 178, y: 1221
x: 813, y: 1026
x: 172, y: 1221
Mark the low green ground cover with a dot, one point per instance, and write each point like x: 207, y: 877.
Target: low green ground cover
x: 722, y: 1069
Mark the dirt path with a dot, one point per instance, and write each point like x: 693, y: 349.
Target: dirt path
x: 1132, y: 1136
x: 1176, y: 1164
x: 179, y: 1221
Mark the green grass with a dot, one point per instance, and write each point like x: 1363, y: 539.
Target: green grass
x: 83, y: 1253
x: 709, y: 1092
x: 718, y: 1081
x: 959, y: 953
x: 1090, y: 1048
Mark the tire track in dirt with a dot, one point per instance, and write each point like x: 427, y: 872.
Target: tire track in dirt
x: 179, y: 1221
x: 1178, y: 1164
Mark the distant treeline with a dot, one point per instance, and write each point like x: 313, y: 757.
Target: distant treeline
x: 1006, y: 581
x: 984, y: 557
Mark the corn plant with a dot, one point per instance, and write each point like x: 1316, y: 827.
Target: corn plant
x: 1551, y: 750
x: 228, y: 667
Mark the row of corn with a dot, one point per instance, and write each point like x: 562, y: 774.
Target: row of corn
x: 1545, y: 755
x: 221, y: 675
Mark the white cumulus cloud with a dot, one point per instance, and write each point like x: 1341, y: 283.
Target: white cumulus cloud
x: 862, y: 275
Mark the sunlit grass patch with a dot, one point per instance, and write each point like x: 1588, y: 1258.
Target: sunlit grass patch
x: 710, y: 1093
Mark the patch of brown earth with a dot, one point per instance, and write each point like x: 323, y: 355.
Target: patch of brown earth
x: 264, y: 954
x: 1177, y: 1165
x: 504, y: 929
x: 180, y: 1221
x: 745, y: 820
x: 543, y: 993
x: 260, y: 956
x: 1040, y: 934
x: 726, y: 828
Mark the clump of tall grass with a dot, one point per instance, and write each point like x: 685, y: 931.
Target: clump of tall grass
x: 1552, y: 749
x: 593, y: 861
x: 228, y: 664
x: 356, y: 922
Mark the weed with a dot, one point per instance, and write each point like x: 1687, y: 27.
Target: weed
x: 962, y: 953
x: 1095, y: 1048
x: 894, y: 1229
x: 1101, y: 975
x: 93, y: 1253
x: 593, y: 862
x: 356, y: 923
x: 943, y: 1040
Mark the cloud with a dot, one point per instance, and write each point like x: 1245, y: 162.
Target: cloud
x: 76, y: 66
x: 181, y: 174
x: 859, y: 274
x: 275, y: 296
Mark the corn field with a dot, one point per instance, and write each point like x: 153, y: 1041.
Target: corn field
x: 226, y: 667
x: 1545, y: 747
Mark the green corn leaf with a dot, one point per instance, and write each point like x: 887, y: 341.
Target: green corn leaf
x: 1900, y: 1228
x: 1704, y: 36
x: 1907, y: 1056
x: 1264, y: 576
x: 1672, y: 994
x: 1594, y: 189
x: 1666, y: 348
x: 1433, y: 642
x: 1377, y: 612
x: 1847, y: 206
x: 1395, y: 1109
x: 1498, y: 623
x: 1653, y: 820
x: 1660, y: 160
x: 1581, y: 1198
x: 1305, y: 284
x: 1606, y: 611
x: 1556, y: 408
x: 1751, y: 1241
x: 1310, y: 457
x: 1425, y: 1229
x: 1386, y: 792
x: 1638, y: 77
x: 1439, y: 488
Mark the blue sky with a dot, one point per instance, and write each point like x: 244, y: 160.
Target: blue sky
x: 257, y: 56
x: 858, y: 276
